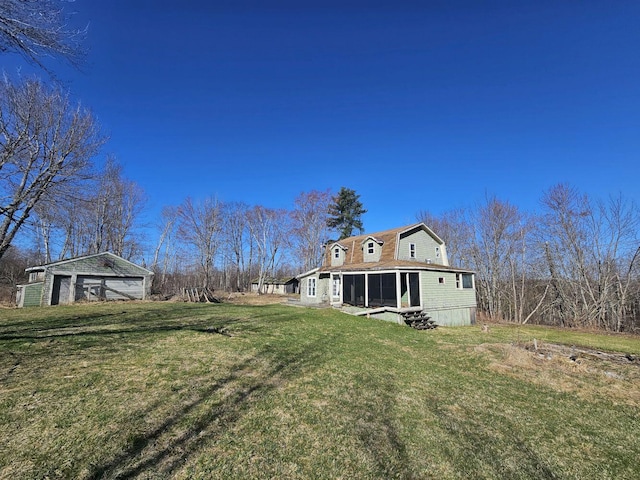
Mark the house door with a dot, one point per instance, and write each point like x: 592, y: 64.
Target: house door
x: 61, y: 287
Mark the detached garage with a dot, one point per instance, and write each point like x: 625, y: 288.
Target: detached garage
x: 103, y: 276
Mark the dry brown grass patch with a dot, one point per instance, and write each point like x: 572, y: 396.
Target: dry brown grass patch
x: 254, y: 298
x: 584, y: 372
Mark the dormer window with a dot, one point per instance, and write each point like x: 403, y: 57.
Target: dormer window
x: 412, y: 250
x: 370, y: 248
x: 337, y: 255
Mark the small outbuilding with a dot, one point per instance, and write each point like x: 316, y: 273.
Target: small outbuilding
x: 277, y: 286
x: 102, y: 276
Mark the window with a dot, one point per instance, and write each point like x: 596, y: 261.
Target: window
x: 464, y: 280
x: 441, y: 280
x: 311, y: 287
x: 370, y: 248
x: 336, y: 252
x: 437, y: 252
x: 412, y: 250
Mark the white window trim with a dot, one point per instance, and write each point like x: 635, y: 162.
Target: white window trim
x: 460, y: 282
x: 311, y: 286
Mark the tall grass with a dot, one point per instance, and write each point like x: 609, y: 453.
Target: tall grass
x: 150, y: 390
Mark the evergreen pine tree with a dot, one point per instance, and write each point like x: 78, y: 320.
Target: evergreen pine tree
x: 345, y: 213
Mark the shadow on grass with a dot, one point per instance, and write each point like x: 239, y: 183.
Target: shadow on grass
x: 78, y: 316
x: 375, y: 425
x: 483, y: 449
x: 169, y: 445
x: 98, y: 325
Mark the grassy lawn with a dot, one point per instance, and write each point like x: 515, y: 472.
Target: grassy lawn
x: 172, y: 390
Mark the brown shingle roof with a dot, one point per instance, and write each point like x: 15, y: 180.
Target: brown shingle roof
x: 390, y: 265
x: 354, y: 260
x: 354, y: 253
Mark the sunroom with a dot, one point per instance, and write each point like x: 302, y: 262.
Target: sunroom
x: 396, y: 289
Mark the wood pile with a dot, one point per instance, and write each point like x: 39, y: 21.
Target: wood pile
x: 198, y: 295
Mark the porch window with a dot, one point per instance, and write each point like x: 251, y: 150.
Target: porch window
x: 409, y: 289
x: 311, y: 287
x: 353, y: 290
x: 382, y: 290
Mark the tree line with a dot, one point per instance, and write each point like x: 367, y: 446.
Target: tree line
x: 575, y: 263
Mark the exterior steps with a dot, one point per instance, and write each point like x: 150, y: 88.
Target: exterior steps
x: 419, y: 320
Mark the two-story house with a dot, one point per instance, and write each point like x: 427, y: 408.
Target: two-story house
x: 391, y: 275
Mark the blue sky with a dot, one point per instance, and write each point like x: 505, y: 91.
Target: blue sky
x: 415, y: 105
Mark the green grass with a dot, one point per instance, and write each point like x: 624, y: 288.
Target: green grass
x: 151, y: 390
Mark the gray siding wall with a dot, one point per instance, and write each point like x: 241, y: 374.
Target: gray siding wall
x: 425, y: 248
x: 95, y: 266
x: 323, y: 291
x: 47, y: 289
x: 445, y: 303
x: 336, y: 262
x: 377, y: 251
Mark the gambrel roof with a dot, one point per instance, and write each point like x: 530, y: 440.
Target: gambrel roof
x: 389, y: 241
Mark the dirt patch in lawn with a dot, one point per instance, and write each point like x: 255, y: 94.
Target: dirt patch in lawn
x: 583, y: 371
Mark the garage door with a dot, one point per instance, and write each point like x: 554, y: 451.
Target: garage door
x: 121, y: 288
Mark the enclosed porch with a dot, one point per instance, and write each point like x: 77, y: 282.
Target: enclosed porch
x: 397, y: 289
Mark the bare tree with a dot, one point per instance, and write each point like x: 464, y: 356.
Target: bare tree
x: 36, y: 29
x: 167, y: 229
x: 592, y: 255
x: 269, y: 230
x: 199, y: 226
x: 12, y: 272
x: 237, y: 241
x: 455, y: 229
x: 46, y: 144
x: 309, y: 230
x: 499, y: 234
x: 98, y: 215
x: 114, y: 210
